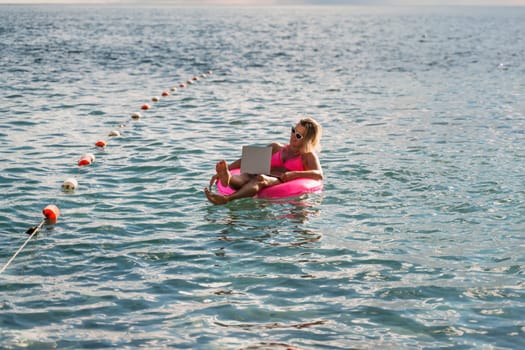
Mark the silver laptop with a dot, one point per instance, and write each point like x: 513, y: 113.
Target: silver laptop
x: 256, y: 159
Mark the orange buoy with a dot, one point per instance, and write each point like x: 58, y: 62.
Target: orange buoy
x: 145, y: 106
x: 86, y: 159
x: 101, y: 143
x: 51, y: 212
x: 165, y: 93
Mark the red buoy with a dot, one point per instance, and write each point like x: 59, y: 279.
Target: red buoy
x: 51, y: 212
x: 86, y: 159
x: 182, y: 85
x: 101, y: 143
x: 145, y: 106
x: 165, y: 93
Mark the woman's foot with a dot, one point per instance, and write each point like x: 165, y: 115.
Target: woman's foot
x: 223, y: 173
x: 215, y: 198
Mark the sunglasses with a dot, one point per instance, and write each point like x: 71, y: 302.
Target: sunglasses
x: 297, y: 135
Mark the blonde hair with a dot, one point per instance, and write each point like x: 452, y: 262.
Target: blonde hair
x: 312, y: 136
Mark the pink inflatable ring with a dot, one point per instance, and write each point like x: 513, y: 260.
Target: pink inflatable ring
x: 291, y: 188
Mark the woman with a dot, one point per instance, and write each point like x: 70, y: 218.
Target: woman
x: 292, y: 161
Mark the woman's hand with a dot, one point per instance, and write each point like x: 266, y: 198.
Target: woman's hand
x: 287, y: 176
x: 214, y: 180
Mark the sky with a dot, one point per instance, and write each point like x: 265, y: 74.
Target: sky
x: 281, y: 2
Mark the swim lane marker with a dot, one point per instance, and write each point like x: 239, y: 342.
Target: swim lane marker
x: 51, y: 212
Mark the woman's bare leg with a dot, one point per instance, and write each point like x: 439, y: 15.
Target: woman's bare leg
x: 249, y: 189
x: 252, y: 187
x: 215, y: 198
x: 223, y: 173
x: 227, y: 179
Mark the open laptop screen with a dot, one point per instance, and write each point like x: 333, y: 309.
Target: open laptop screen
x: 256, y: 159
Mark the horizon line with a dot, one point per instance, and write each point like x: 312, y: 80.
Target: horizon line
x: 261, y: 4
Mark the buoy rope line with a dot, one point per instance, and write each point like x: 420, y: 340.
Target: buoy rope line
x: 33, y: 233
x: 51, y: 212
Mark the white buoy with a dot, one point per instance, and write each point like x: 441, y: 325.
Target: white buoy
x: 155, y: 99
x: 114, y: 133
x: 173, y: 89
x: 69, y: 185
x: 136, y: 115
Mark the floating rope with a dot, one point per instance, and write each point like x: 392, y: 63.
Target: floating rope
x: 51, y: 213
x: 33, y: 231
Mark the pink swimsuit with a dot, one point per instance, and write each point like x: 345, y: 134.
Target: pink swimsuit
x: 293, y: 164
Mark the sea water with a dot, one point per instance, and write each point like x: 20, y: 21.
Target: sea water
x: 417, y: 240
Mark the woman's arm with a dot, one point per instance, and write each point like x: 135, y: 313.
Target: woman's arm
x: 276, y: 147
x: 235, y: 164
x: 312, y: 169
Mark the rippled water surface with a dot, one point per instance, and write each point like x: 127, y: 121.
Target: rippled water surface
x: 417, y: 240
